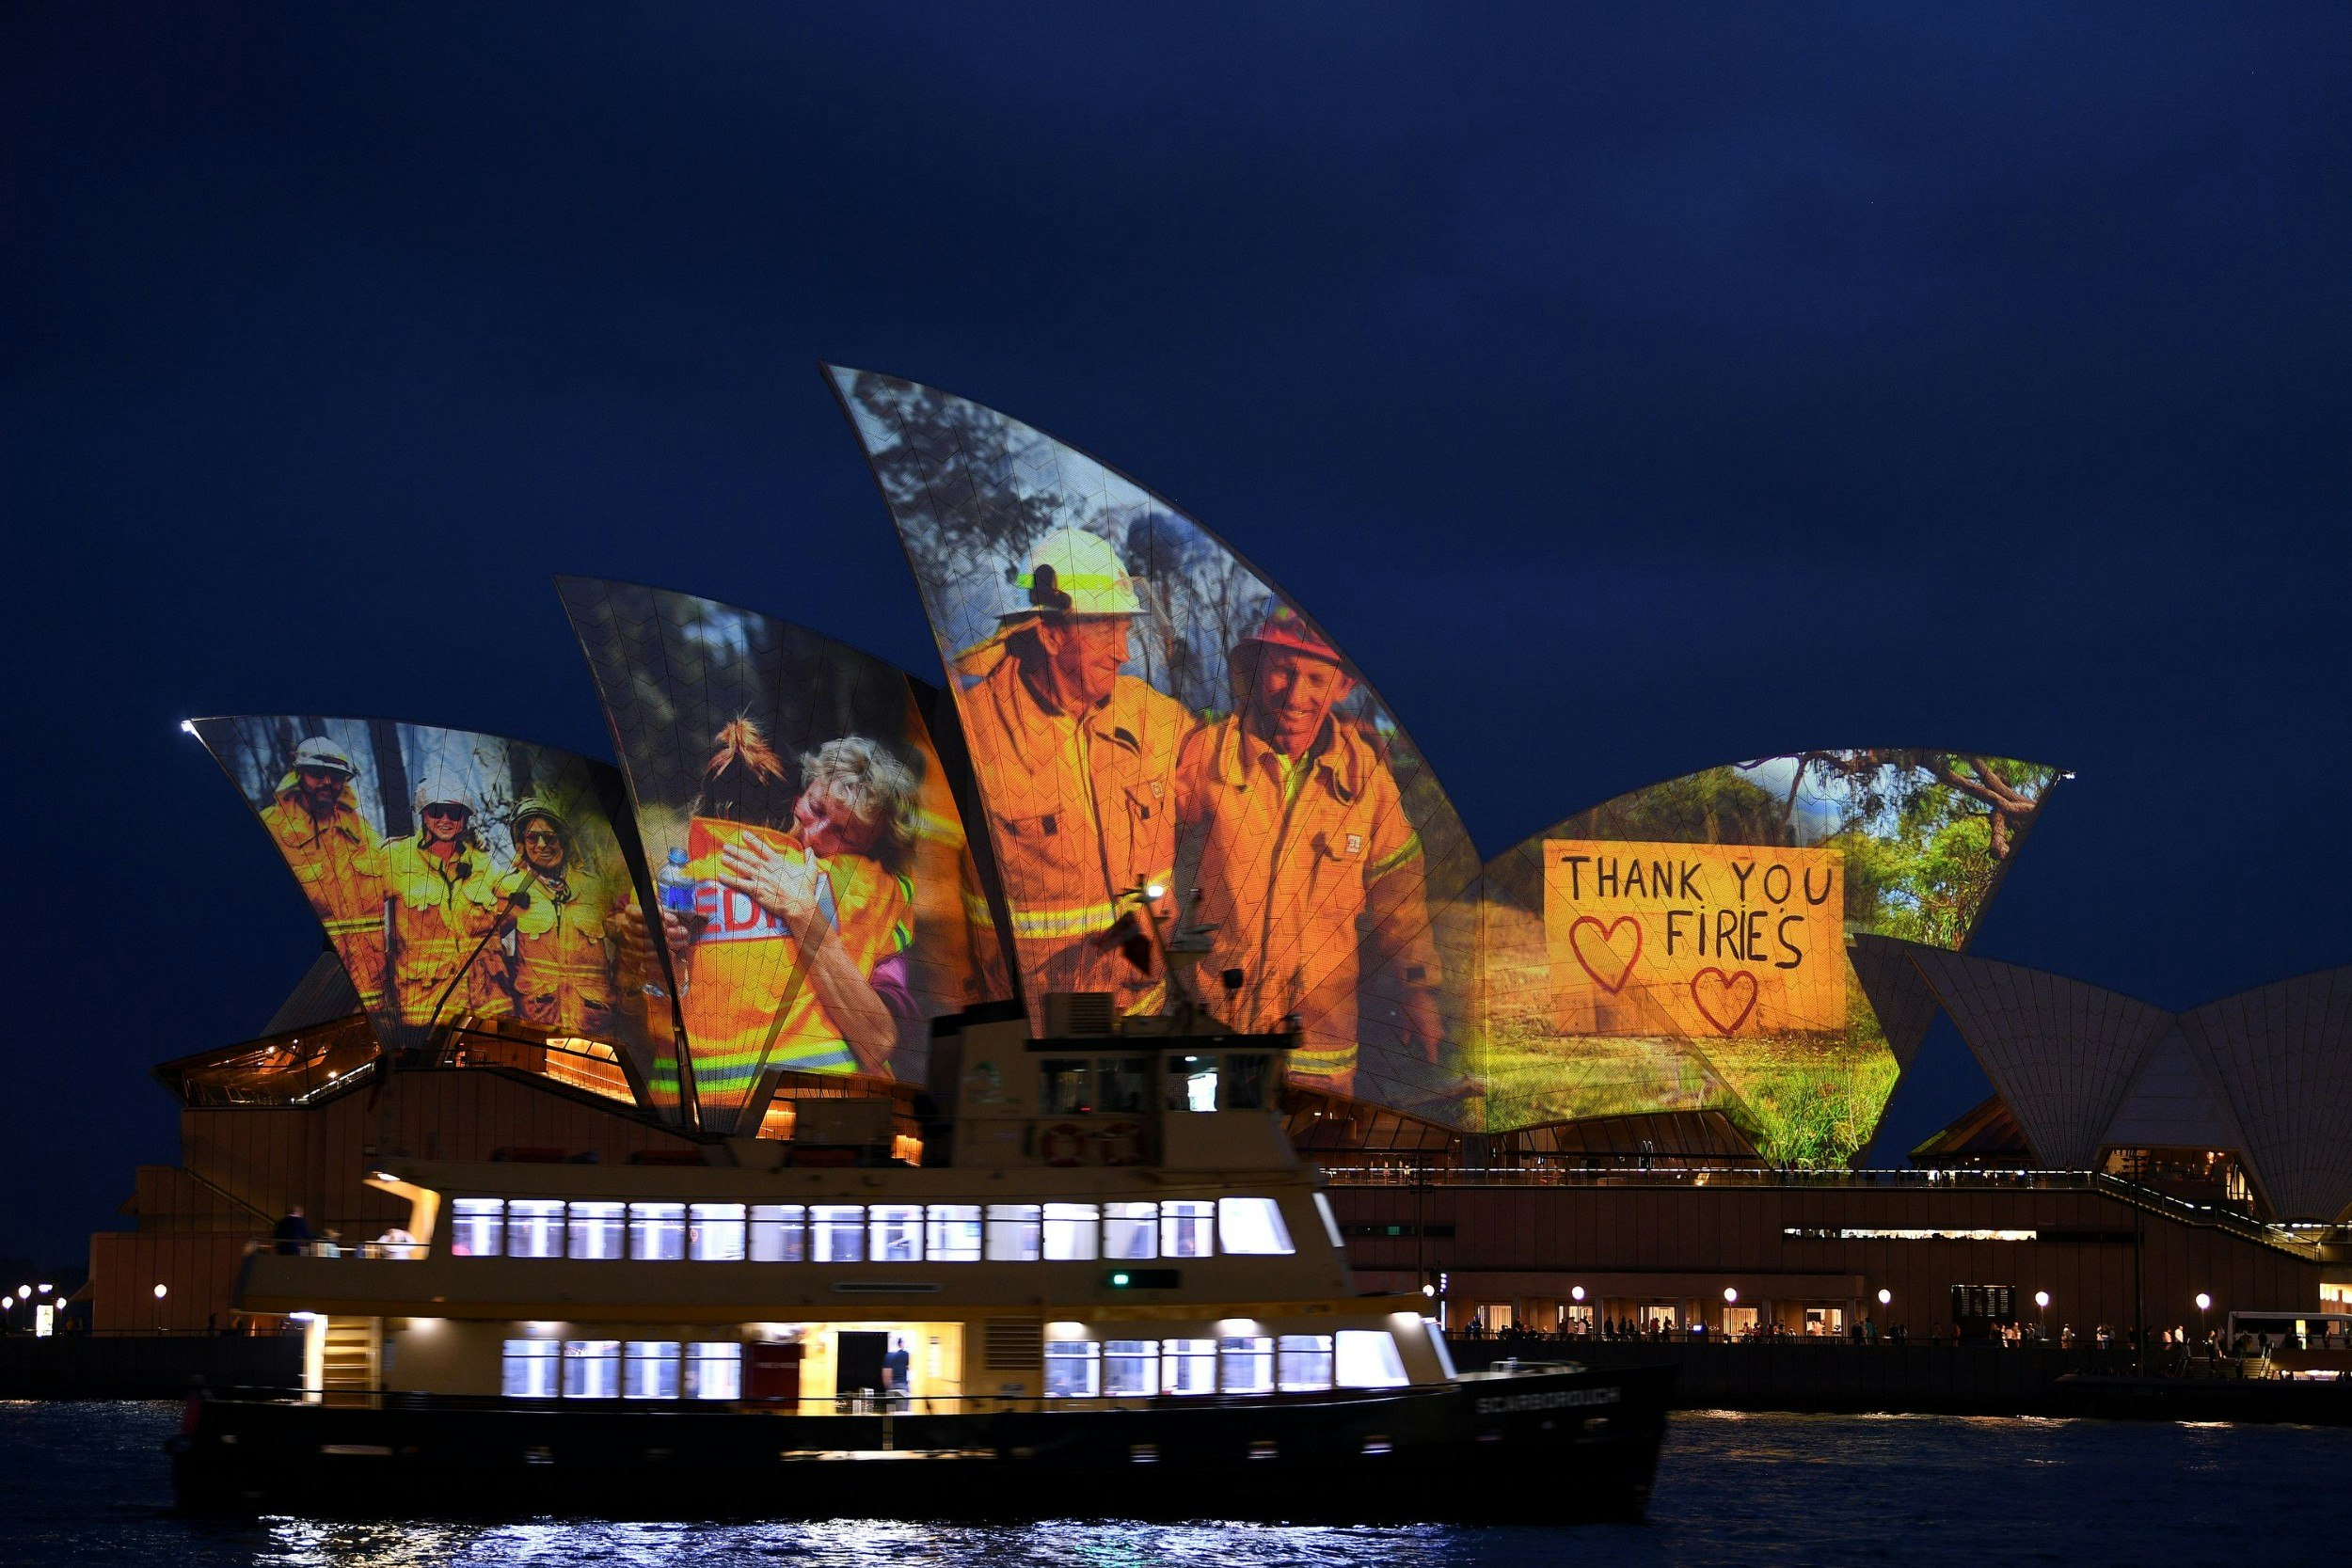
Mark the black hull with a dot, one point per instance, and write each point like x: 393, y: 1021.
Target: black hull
x: 1540, y: 1448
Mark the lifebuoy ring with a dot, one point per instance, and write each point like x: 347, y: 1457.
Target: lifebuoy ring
x: 1062, y: 1144
x: 1121, y: 1143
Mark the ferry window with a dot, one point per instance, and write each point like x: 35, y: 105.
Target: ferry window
x: 1073, y: 1369
x: 651, y: 1370
x: 1130, y: 1230
x: 591, y: 1368
x: 1062, y: 1086
x: 1245, y: 1080
x: 716, y: 1235
x: 954, y: 1233
x: 599, y: 1230
x: 1251, y: 1226
x: 1330, y: 1223
x: 1184, y: 1228
x: 1303, y: 1361
x: 1013, y: 1232
x: 838, y: 1231
x: 528, y: 1368
x: 1191, y: 1084
x: 657, y: 1231
x: 476, y: 1227
x: 1188, y: 1366
x: 534, y: 1227
x: 1130, y: 1368
x: 714, y: 1370
x: 1367, y: 1358
x: 1246, y: 1363
x: 1069, y: 1231
x: 1123, y: 1085
x: 897, y: 1232
x: 777, y: 1236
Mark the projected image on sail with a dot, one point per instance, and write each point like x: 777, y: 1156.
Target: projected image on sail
x: 819, y: 901
x: 1144, y: 712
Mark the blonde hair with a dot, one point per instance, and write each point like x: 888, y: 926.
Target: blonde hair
x: 864, y: 777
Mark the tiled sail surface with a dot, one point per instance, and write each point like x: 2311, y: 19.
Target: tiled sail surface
x: 459, y: 875
x: 2062, y: 1053
x: 1687, y: 944
x: 734, y: 731
x: 2283, y: 1055
x: 1319, y: 865
x: 2177, y: 1101
x: 1904, y: 1002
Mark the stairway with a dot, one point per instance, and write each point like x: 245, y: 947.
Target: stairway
x: 353, y: 1356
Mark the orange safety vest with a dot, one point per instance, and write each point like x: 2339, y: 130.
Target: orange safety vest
x: 435, y: 913
x: 1313, y: 886
x: 559, y: 958
x: 747, y: 1001
x: 1080, y: 809
x: 340, y: 863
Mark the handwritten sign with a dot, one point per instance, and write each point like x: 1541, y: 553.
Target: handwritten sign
x: 1711, y: 941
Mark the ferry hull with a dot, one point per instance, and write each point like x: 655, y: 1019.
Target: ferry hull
x: 1538, y: 1448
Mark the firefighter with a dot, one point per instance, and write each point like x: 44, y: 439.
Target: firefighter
x: 441, y: 904
x: 560, y: 952
x: 1311, y: 876
x: 795, y: 957
x: 1077, y: 765
x: 337, y: 856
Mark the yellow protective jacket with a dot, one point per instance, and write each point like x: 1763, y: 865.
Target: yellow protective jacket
x: 1316, y: 887
x: 748, y: 1003
x: 1080, y: 808
x: 436, y: 914
x: 559, y: 961
x: 340, y: 863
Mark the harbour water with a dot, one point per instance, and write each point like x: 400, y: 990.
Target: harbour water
x: 85, y: 1483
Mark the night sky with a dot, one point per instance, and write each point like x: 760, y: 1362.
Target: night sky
x: 1629, y: 389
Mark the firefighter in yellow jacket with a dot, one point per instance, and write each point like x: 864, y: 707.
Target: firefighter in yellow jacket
x: 560, y: 952
x: 441, y: 904
x: 1310, y: 875
x: 795, y: 957
x: 1076, y: 765
x: 337, y: 856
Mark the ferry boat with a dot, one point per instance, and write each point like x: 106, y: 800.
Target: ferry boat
x: 1119, y: 1294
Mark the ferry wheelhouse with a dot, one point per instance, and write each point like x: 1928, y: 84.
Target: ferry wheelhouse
x: 1119, y: 1294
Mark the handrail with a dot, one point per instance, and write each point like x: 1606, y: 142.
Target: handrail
x: 873, y: 1402
x: 2287, y: 1237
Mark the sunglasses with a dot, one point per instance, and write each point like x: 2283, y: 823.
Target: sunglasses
x: 540, y: 835
x: 447, y: 814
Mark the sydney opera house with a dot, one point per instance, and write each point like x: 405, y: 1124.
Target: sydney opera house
x: 1625, y: 1070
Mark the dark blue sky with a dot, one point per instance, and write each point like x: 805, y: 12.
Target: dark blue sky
x: 1629, y: 388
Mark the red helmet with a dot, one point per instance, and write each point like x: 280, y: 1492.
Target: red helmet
x: 1282, y: 628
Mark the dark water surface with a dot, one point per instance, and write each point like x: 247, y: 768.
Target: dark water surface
x: 85, y: 1483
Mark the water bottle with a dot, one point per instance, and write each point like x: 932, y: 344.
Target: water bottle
x: 674, y: 893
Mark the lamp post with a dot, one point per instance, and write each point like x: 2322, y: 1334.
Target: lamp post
x: 2042, y: 1314
x: 2205, y: 1305
x: 160, y: 1290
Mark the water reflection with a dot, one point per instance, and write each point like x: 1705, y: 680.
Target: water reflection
x: 85, y: 1484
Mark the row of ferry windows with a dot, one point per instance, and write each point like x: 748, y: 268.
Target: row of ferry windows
x: 1238, y: 1364
x: 621, y: 1369
x: 1074, y: 1368
x: 1122, y: 1085
x: 868, y: 1233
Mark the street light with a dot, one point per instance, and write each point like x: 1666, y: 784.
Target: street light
x: 2205, y: 1303
x: 160, y: 1290
x: 2042, y: 1314
x: 1730, y: 1295
x: 1885, y: 1296
x: 1576, y: 1292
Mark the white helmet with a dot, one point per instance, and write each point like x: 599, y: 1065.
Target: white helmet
x: 323, y: 755
x: 1076, y: 572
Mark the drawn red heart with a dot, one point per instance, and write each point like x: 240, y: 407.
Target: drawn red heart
x: 1727, y: 989
x: 1606, y: 945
